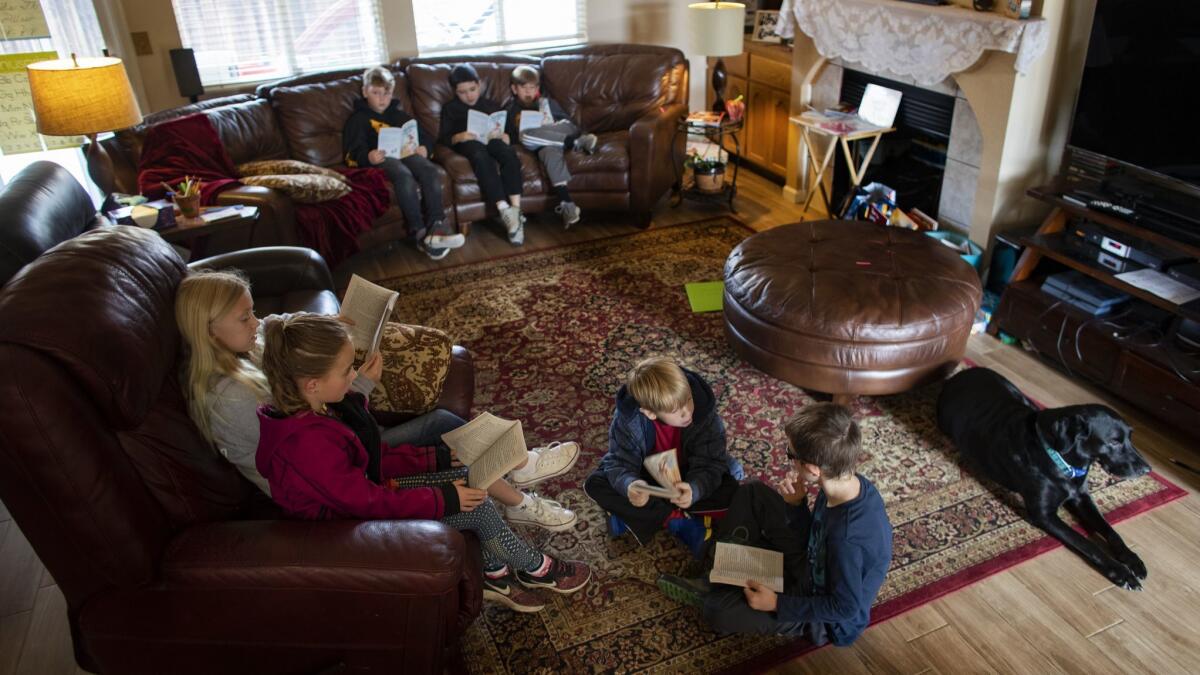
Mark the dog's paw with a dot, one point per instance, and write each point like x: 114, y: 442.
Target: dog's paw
x: 1121, y: 576
x: 1133, y: 562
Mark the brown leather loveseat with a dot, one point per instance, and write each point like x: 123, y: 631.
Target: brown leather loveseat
x: 170, y: 561
x: 629, y: 95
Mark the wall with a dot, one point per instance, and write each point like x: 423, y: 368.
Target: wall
x: 660, y: 22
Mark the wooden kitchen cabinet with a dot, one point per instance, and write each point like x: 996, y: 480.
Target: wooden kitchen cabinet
x: 762, y: 75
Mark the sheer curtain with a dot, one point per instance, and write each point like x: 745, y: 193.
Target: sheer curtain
x: 498, y: 25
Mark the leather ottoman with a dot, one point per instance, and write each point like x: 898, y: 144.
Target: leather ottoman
x: 848, y: 307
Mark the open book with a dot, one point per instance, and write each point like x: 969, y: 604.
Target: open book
x: 489, y: 446
x: 664, y: 467
x: 485, y: 126
x: 735, y: 563
x: 399, y: 142
x: 369, y: 306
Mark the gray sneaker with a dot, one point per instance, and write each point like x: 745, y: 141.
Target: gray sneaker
x: 514, y: 224
x: 446, y: 241
x: 434, y: 253
x: 586, y: 143
x: 569, y: 212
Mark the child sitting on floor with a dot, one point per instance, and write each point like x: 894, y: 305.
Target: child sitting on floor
x: 556, y: 135
x: 836, y: 556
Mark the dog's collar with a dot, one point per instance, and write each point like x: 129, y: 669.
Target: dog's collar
x: 1067, y: 470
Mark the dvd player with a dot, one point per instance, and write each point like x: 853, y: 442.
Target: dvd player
x: 1083, y: 292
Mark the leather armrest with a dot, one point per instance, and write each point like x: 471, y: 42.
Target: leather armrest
x: 458, y: 390
x: 277, y: 214
x: 653, y: 145
x: 275, y: 270
x: 411, y: 557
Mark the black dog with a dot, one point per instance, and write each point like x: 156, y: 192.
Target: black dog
x: 1044, y: 455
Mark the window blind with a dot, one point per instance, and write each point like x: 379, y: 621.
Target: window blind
x: 498, y: 25
x: 249, y: 40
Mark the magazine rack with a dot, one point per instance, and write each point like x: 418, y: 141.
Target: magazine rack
x: 809, y: 127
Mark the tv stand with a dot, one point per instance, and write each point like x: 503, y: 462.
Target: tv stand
x: 1137, y: 353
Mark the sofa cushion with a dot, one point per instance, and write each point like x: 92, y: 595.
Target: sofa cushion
x: 429, y: 84
x: 303, y: 188
x: 611, y: 155
x: 43, y: 206
x: 248, y: 131
x: 286, y: 167
x: 314, y: 114
x: 609, y: 87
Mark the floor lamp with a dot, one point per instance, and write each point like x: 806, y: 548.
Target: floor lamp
x: 84, y: 97
x: 717, y: 29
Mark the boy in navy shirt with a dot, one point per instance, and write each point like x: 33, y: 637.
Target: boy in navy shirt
x: 836, y: 556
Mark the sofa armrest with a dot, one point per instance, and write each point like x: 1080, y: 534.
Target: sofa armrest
x: 458, y: 391
x: 277, y: 214
x: 652, y: 140
x: 275, y: 270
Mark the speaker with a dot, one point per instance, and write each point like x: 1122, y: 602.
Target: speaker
x: 183, y: 62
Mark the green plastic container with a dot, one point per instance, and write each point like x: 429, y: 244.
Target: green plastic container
x: 973, y: 257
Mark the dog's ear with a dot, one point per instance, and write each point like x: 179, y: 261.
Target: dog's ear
x: 1062, y: 428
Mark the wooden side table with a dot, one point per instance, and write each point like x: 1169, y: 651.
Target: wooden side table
x: 195, y: 237
x: 717, y: 135
x: 808, y: 128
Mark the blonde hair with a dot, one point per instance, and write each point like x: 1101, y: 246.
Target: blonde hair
x: 525, y: 75
x: 378, y: 76
x: 202, y: 298
x: 299, y: 346
x: 659, y: 385
x: 825, y: 434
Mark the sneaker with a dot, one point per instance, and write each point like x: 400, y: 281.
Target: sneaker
x: 434, y: 253
x: 564, y: 576
x: 507, y: 592
x: 569, y: 212
x: 446, y: 241
x: 544, y: 513
x: 684, y: 591
x: 514, y: 224
x: 586, y: 143
x: 549, y: 462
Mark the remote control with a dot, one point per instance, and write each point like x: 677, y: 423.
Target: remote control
x: 1101, y: 205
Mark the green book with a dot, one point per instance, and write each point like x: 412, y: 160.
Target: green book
x: 705, y: 296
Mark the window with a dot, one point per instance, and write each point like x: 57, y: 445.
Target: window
x: 498, y: 25
x: 249, y: 40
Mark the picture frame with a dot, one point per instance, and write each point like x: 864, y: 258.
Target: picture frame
x: 765, y: 21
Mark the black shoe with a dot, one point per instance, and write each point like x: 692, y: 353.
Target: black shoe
x: 434, y: 253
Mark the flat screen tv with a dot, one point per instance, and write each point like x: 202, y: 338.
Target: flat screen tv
x: 1137, y: 98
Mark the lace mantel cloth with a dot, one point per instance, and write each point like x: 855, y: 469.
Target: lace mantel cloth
x: 925, y: 43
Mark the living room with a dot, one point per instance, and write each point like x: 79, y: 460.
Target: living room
x: 777, y: 252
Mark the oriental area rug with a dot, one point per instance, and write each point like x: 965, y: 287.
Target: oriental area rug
x: 554, y: 332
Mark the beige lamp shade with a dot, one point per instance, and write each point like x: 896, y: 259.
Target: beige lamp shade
x: 82, y: 97
x: 717, y: 27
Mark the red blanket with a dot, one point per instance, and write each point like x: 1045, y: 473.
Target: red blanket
x: 190, y: 146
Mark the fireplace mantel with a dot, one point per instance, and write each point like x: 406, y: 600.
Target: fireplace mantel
x: 922, y: 42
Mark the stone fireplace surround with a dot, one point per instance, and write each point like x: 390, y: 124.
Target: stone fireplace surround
x: 1012, y: 108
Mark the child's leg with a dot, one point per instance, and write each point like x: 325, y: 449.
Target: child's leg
x: 499, y: 542
x: 510, y: 169
x: 643, y: 521
x: 423, y: 430
x: 405, y: 187
x: 551, y: 157
x: 485, y: 169
x: 426, y: 173
x: 758, y: 516
x: 726, y: 610
x: 720, y: 499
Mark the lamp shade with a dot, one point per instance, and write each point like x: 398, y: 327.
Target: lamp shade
x: 717, y: 27
x: 81, y: 97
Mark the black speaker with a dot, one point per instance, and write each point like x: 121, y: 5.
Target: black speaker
x: 183, y: 62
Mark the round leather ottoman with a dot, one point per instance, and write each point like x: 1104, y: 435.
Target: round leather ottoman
x: 848, y: 307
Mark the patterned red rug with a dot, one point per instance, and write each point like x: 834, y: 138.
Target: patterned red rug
x: 553, y: 333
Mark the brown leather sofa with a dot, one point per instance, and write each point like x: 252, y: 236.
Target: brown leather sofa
x: 169, y: 560
x: 629, y: 95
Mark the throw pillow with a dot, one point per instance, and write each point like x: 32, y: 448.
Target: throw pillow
x: 303, y: 188
x: 416, y: 360
x: 285, y: 167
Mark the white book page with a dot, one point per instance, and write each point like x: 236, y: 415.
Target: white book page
x: 734, y: 564
x: 879, y: 105
x: 479, y: 124
x: 368, y: 306
x: 1153, y: 281
x: 664, y: 467
x: 399, y: 142
x: 533, y: 119
x: 503, y: 456
x: 498, y: 119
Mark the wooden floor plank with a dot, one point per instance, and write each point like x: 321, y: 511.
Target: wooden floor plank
x: 886, y: 649
x: 917, y: 622
x: 48, y: 645
x: 949, y: 652
x: 1004, y: 648
x: 22, y: 571
x: 841, y: 660
x: 1073, y: 596
x: 1134, y: 651
x: 13, y: 629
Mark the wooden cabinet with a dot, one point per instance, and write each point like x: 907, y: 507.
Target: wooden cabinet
x: 762, y: 76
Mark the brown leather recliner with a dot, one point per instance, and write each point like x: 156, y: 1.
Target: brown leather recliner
x: 169, y: 560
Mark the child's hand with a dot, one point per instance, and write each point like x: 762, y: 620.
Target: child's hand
x: 504, y: 137
x: 792, y: 488
x: 684, y: 500
x: 376, y: 156
x: 760, y: 597
x: 422, y: 151
x: 454, y: 458
x: 636, y: 496
x: 468, y: 497
x: 372, y: 367
x: 463, y: 137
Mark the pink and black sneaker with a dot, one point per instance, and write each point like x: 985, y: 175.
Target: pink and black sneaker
x: 560, y: 576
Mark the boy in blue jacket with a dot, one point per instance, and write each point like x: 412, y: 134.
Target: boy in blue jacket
x: 664, y: 407
x: 836, y: 556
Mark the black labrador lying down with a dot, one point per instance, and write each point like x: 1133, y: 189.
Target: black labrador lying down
x: 1044, y: 455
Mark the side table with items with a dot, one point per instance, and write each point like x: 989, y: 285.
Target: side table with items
x: 843, y: 138
x: 214, y: 220
x: 720, y: 190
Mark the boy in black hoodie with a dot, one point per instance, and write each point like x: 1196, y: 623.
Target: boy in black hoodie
x: 556, y: 136
x: 360, y: 141
x: 494, y: 161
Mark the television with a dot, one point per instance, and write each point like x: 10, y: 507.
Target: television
x: 1134, y: 117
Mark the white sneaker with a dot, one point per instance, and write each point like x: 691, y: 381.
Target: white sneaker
x: 514, y: 224
x: 445, y: 240
x: 544, y: 513
x: 548, y: 462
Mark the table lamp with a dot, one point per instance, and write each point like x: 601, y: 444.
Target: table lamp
x: 717, y: 29
x: 83, y: 97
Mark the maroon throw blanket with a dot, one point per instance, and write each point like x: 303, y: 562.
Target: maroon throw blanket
x: 190, y: 146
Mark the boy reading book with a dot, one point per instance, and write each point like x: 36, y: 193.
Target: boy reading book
x: 835, y: 556
x: 664, y: 408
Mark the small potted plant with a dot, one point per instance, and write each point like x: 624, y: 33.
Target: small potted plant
x: 709, y: 172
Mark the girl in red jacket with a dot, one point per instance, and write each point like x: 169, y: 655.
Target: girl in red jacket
x: 320, y: 451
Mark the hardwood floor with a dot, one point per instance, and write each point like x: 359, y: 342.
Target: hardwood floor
x: 1049, y: 614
